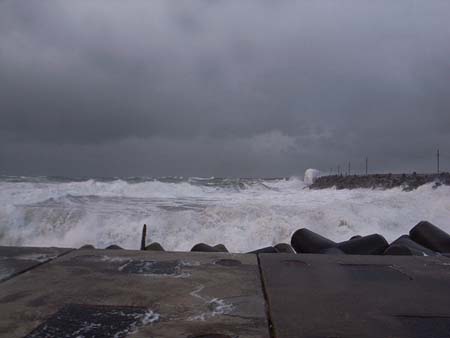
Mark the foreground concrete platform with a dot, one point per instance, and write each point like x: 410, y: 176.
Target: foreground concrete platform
x: 118, y: 293
x: 16, y: 260
x: 357, y: 296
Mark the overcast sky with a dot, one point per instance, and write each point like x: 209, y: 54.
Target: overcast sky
x: 222, y: 88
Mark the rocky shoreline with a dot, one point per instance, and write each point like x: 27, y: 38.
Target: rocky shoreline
x: 407, y: 182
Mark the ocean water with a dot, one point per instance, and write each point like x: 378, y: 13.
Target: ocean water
x: 243, y: 214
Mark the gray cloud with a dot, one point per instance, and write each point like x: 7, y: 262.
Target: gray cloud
x: 258, y: 88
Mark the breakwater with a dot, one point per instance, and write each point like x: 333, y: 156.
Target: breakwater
x: 424, y: 239
x: 407, y: 182
x: 63, y: 292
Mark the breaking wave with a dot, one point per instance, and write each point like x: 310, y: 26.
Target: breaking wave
x: 244, y: 214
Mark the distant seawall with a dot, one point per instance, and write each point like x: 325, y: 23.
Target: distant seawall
x: 384, y: 181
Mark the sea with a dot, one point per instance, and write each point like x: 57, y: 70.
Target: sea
x: 242, y: 213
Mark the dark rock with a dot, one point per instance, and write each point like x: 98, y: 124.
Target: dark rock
x: 431, y: 237
x: 113, y: 247
x: 202, y: 247
x: 355, y: 237
x: 368, y: 245
x: 306, y: 241
x: 405, y: 246
x: 155, y: 246
x: 284, y: 248
x: 269, y: 249
x: 220, y: 247
x: 87, y: 247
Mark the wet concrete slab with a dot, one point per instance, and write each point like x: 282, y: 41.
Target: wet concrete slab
x: 312, y: 296
x: 15, y: 260
x: 103, y: 293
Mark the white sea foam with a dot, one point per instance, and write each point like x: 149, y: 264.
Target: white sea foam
x: 243, y: 216
x: 215, y: 306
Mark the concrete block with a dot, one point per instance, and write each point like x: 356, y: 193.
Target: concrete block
x: 431, y: 237
x: 307, y: 241
x: 15, y: 260
x: 157, y: 294
x: 353, y: 296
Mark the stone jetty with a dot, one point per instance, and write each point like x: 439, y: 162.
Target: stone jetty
x: 424, y: 239
x: 406, y: 182
x: 314, y: 287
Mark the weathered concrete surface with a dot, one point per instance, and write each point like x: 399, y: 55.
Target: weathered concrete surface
x: 357, y: 296
x: 107, y: 293
x: 14, y: 260
x: 136, y: 294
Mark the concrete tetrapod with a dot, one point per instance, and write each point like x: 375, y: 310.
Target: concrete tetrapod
x: 368, y: 245
x: 307, y: 241
x: 431, y: 237
x: 405, y: 246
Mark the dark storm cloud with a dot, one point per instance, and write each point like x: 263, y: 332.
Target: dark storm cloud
x: 222, y: 87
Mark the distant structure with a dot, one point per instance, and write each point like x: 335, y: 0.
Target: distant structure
x: 347, y: 171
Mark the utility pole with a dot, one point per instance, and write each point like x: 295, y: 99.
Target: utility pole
x: 438, y: 161
x: 367, y: 166
x: 348, y: 173
x: 339, y: 169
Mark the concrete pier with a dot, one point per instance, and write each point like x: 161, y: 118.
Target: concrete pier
x: 16, y: 260
x: 357, y: 296
x: 124, y: 293
x: 108, y: 293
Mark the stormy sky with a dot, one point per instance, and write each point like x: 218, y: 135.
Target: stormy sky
x: 223, y: 88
